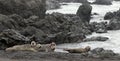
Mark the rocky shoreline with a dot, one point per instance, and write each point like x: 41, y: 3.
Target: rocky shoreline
x: 25, y: 20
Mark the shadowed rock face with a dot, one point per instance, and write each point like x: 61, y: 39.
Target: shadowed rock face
x: 84, y: 12
x: 24, y: 8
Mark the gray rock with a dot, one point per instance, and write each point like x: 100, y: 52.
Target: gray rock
x: 114, y: 24
x: 11, y: 37
x: 109, y: 15
x: 77, y: 1
x: 101, y: 53
x: 99, y: 38
x: 65, y: 28
x: 99, y: 27
x: 52, y: 4
x: 101, y: 31
x: 24, y: 8
x: 103, y: 2
x: 84, y: 12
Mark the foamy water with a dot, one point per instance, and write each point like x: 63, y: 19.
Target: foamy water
x: 114, y: 40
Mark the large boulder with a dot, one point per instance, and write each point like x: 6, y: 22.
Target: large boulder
x: 11, y: 37
x: 103, y: 2
x: 52, y: 4
x: 84, y: 12
x: 24, y: 8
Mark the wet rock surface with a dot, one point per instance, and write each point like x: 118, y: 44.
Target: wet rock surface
x: 99, y: 38
x: 103, y: 2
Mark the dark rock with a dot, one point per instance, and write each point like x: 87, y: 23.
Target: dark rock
x: 10, y: 22
x: 99, y: 27
x: 84, y: 12
x: 19, y: 20
x: 103, y: 2
x: 52, y: 4
x: 34, y: 34
x: 114, y: 24
x: 77, y: 1
x: 11, y: 37
x: 64, y: 28
x: 24, y: 8
x: 114, y: 14
x: 99, y: 38
x: 108, y: 16
x: 116, y: 0
x: 95, y: 14
x: 100, y: 52
x: 101, y: 31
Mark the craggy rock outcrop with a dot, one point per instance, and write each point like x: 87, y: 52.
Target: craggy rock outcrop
x: 99, y: 27
x: 77, y: 1
x: 52, y: 4
x: 103, y: 2
x: 11, y: 37
x: 114, y: 18
x: 99, y: 38
x: 24, y: 8
x: 84, y: 12
x: 60, y: 28
x: 63, y: 28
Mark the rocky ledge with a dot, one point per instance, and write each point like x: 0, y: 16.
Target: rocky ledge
x: 97, y: 54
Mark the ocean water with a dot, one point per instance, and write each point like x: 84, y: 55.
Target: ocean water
x: 114, y: 40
